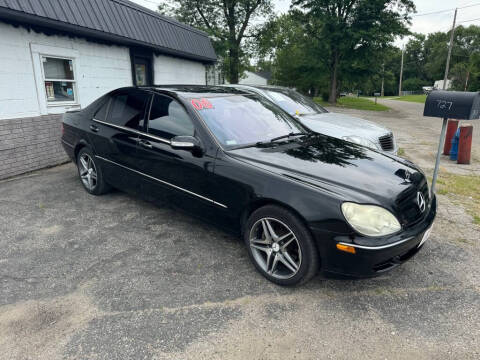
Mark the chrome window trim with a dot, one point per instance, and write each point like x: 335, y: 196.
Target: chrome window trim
x: 164, y: 182
x: 153, y: 137
x: 377, y: 247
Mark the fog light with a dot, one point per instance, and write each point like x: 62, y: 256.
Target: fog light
x: 346, y: 248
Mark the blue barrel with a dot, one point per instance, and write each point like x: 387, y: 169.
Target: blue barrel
x: 454, y: 148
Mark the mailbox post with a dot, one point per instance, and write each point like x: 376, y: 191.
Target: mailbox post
x: 377, y: 94
x: 450, y: 105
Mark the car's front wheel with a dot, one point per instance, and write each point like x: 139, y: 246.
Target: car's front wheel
x: 280, y: 246
x: 90, y: 173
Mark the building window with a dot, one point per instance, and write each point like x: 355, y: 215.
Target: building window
x: 59, y: 80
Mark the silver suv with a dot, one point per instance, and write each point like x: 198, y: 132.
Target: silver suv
x: 318, y: 119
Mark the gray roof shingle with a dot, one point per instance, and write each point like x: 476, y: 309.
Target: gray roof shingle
x: 119, y: 21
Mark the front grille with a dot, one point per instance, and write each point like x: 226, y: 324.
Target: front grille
x: 386, y: 142
x: 408, y: 207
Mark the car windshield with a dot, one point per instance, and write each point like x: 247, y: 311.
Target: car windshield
x: 239, y: 120
x: 293, y: 102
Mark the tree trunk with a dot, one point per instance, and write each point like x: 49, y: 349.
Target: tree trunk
x: 332, y: 98
x: 234, y: 64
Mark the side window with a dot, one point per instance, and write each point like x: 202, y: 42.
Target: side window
x: 168, y: 118
x: 128, y: 109
x: 101, y: 113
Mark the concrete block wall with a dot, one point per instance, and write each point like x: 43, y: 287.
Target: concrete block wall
x: 170, y: 70
x: 98, y: 68
x: 30, y: 128
x: 30, y: 143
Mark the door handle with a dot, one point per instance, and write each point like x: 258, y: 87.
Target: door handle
x: 94, y: 128
x: 146, y: 144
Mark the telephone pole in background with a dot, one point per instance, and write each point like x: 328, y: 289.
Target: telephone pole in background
x: 450, y: 46
x: 382, y: 91
x: 401, y: 74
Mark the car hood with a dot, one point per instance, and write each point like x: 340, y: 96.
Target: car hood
x: 339, y: 125
x: 347, y: 170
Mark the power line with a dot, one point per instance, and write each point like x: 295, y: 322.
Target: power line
x: 464, y: 21
x: 433, y: 12
x: 446, y: 10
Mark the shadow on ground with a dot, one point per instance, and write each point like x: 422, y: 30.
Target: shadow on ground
x: 114, y: 277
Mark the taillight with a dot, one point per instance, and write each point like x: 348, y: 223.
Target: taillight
x: 63, y: 129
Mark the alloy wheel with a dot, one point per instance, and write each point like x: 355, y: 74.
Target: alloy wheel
x: 88, y: 171
x: 275, y: 248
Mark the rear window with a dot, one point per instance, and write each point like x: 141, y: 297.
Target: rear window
x: 294, y: 103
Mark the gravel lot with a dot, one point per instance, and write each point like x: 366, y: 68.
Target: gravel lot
x: 419, y: 135
x: 113, y: 277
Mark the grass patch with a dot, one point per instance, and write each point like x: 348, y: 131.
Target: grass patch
x: 357, y: 103
x: 410, y: 98
x: 465, y: 188
x: 401, y: 151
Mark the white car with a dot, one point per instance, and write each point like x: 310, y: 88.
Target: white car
x: 318, y: 119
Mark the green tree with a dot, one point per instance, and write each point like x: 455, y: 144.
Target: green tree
x: 349, y: 29
x: 425, y: 58
x: 294, y: 56
x: 228, y: 22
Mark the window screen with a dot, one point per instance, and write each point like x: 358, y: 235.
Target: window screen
x: 128, y: 109
x: 168, y: 118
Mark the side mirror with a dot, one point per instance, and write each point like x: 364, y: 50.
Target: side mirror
x: 189, y: 143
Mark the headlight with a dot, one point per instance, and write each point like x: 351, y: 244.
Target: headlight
x: 361, y: 141
x: 370, y: 220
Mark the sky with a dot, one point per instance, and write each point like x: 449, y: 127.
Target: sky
x: 422, y: 24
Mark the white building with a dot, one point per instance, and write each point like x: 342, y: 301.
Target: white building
x: 58, y: 55
x: 438, y: 85
x: 255, y: 78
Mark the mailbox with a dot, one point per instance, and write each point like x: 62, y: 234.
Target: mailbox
x: 453, y: 105
x: 456, y: 105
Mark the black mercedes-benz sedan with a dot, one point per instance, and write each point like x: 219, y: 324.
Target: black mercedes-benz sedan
x: 301, y: 201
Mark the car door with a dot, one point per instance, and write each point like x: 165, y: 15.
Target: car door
x: 115, y: 130
x: 177, y: 176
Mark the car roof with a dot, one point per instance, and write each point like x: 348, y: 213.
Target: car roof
x: 190, y: 91
x: 260, y: 87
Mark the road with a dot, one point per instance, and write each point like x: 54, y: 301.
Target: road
x: 114, y: 277
x: 419, y: 135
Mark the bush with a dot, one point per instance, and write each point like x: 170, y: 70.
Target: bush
x: 414, y: 84
x: 325, y: 96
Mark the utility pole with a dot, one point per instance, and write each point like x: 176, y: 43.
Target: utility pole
x: 401, y: 74
x: 466, y: 80
x: 450, y: 46
x: 382, y: 92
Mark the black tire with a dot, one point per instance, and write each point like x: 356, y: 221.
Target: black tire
x: 99, y: 185
x: 307, y: 255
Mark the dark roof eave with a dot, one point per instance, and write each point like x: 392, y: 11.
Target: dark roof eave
x: 13, y: 15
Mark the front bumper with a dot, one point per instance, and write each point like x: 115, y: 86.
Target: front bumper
x: 372, y: 256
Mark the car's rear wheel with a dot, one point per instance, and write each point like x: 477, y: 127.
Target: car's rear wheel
x: 90, y: 173
x: 280, y: 246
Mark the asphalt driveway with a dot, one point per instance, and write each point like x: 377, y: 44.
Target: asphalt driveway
x: 114, y: 277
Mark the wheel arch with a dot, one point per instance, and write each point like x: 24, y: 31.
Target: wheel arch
x: 257, y: 204
x: 80, y: 145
